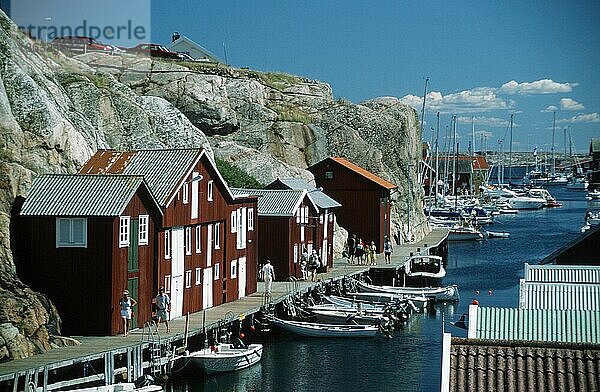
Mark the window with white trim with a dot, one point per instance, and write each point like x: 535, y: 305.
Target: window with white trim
x: 188, y: 241
x: 143, y: 230
x: 167, y: 283
x: 321, y: 218
x: 198, y: 276
x: 209, y: 191
x: 218, y: 235
x: 233, y: 273
x: 217, y: 271
x: 167, y: 244
x: 234, y: 221
x: 305, y: 214
x: 188, y: 279
x: 123, y: 231
x: 298, y: 215
x: 71, y: 232
x: 250, y: 219
x: 198, y: 239
x: 185, y: 193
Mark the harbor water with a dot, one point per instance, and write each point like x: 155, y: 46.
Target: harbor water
x: 488, y: 271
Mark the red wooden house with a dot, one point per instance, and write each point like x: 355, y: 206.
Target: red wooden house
x: 87, y: 238
x: 206, y: 242
x: 365, y: 198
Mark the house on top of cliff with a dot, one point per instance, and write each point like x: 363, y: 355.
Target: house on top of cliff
x: 365, y: 198
x: 90, y: 237
x: 184, y: 45
x: 206, y: 242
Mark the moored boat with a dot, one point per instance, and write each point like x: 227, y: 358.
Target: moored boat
x: 497, y: 234
x: 418, y: 302
x: 426, y: 266
x: 464, y: 233
x: 448, y: 293
x: 226, y: 357
x: 318, y: 330
x: 594, y: 194
x: 339, y: 316
x: 578, y: 183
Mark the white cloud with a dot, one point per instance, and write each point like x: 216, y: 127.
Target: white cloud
x: 484, y: 133
x: 476, y: 100
x: 493, y: 122
x: 570, y: 104
x: 550, y: 109
x: 543, y: 86
x: 581, y: 118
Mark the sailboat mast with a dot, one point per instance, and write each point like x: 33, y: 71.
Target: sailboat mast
x: 510, y: 150
x: 472, y: 153
x: 455, y: 155
x: 423, y: 108
x: 553, y: 130
x: 437, y: 156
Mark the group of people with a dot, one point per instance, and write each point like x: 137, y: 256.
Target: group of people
x: 359, y: 252
x: 162, y: 303
x: 309, y: 264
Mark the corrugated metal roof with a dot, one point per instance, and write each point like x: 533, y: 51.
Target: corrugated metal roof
x: 274, y: 202
x: 484, y: 365
x: 320, y: 199
x: 575, y: 326
x: 365, y: 173
x: 463, y: 166
x: 536, y: 295
x: 80, y: 195
x: 595, y: 145
x: 562, y: 273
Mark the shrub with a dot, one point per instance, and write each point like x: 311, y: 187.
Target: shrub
x: 236, y: 177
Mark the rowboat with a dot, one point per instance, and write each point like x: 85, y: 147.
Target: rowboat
x: 226, y: 357
x: 438, y: 294
x: 317, y: 330
x: 497, y: 234
x: 353, y: 303
x: 418, y: 302
x: 344, y: 317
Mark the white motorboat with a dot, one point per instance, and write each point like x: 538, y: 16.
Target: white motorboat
x: 448, y: 293
x: 592, y: 218
x: 317, y: 330
x: 578, y: 183
x: 342, y: 302
x: 507, y: 210
x: 594, y: 194
x: 340, y: 316
x: 541, y: 193
x: 226, y: 357
x: 425, y: 266
x: 526, y: 202
x: 418, y: 302
x: 496, y: 234
x: 464, y: 233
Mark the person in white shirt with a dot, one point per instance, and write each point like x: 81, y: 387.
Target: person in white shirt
x: 268, y: 274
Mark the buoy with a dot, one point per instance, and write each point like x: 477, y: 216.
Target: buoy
x: 252, y: 328
x: 475, y: 302
x: 476, y: 291
x: 490, y: 292
x: 242, y: 335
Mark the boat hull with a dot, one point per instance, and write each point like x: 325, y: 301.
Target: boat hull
x: 226, y: 360
x: 313, y: 330
x: 464, y: 236
x: 449, y: 293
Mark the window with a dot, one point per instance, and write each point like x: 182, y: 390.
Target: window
x: 71, y: 232
x: 250, y: 219
x: 143, y: 230
x: 185, y: 193
x: 321, y: 218
x: 217, y: 272
x: 331, y: 217
x: 234, y: 221
x: 188, y: 241
x: 233, y: 269
x: 188, y: 279
x: 209, y: 191
x: 198, y: 276
x: 167, y: 244
x: 167, y: 284
x: 329, y: 174
x: 298, y: 215
x: 218, y: 235
x: 123, y: 231
x: 305, y: 220
x: 198, y: 240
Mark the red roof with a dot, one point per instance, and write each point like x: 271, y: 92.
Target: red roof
x: 107, y: 161
x: 479, y: 161
x: 367, y: 174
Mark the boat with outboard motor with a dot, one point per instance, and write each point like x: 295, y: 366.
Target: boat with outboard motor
x: 464, y: 233
x: 226, y: 357
x: 496, y: 234
x: 448, y: 293
x: 578, y: 183
x: 427, y: 266
x: 414, y: 301
x: 541, y: 193
x: 318, y: 330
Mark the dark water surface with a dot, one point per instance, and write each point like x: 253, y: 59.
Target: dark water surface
x: 411, y: 360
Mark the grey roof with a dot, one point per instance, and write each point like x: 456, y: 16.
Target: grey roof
x: 484, y: 365
x: 537, y: 295
x: 274, y: 202
x: 163, y: 169
x: 320, y: 199
x: 463, y: 166
x: 80, y: 195
x: 562, y: 273
x: 595, y: 145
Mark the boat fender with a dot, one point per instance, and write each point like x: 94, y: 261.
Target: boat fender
x: 144, y: 381
x: 238, y: 343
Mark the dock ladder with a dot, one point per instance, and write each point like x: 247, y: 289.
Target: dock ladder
x: 155, y: 346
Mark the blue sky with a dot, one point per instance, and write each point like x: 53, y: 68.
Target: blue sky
x: 486, y: 59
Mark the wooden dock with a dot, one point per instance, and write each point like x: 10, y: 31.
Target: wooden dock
x: 36, y: 368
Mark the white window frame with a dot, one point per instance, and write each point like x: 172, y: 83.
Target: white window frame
x: 198, y: 239
x: 167, y: 283
x: 167, y: 244
x: 217, y: 273
x: 321, y: 218
x: 298, y: 214
x: 233, y: 269
x: 234, y: 221
x: 305, y: 215
x: 185, y: 190
x: 198, y: 281
x: 250, y: 219
x: 217, y: 235
x: 124, y: 231
x: 209, y: 190
x: 143, y: 230
x: 188, y: 279
x: 188, y: 241
x: 71, y: 243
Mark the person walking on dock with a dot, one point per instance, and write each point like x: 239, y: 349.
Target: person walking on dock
x: 269, y: 276
x: 126, y: 304
x: 359, y: 251
x: 304, y: 262
x: 313, y: 265
x: 387, y: 249
x: 351, y: 248
x: 372, y: 253
x: 163, y: 308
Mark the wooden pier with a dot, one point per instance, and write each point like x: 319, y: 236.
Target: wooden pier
x: 133, y: 354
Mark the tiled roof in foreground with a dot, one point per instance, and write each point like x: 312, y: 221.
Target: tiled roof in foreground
x: 497, y: 365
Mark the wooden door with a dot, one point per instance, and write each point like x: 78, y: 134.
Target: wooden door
x: 177, y: 267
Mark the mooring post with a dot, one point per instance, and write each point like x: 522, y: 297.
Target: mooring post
x: 129, y: 364
x: 16, y: 382
x: 45, y: 378
x: 109, y: 371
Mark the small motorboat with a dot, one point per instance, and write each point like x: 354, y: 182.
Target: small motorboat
x: 464, y: 233
x: 416, y: 302
x: 225, y: 357
x: 594, y: 194
x: 425, y: 266
x: 340, y: 316
x: 318, y: 330
x: 578, y: 183
x: 342, y: 302
x: 542, y: 193
x: 145, y: 383
x: 497, y: 234
x: 448, y: 293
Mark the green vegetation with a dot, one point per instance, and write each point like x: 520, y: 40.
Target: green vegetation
x: 236, y: 177
x: 286, y: 113
x: 343, y: 101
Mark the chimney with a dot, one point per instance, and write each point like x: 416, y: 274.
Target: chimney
x: 175, y: 36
